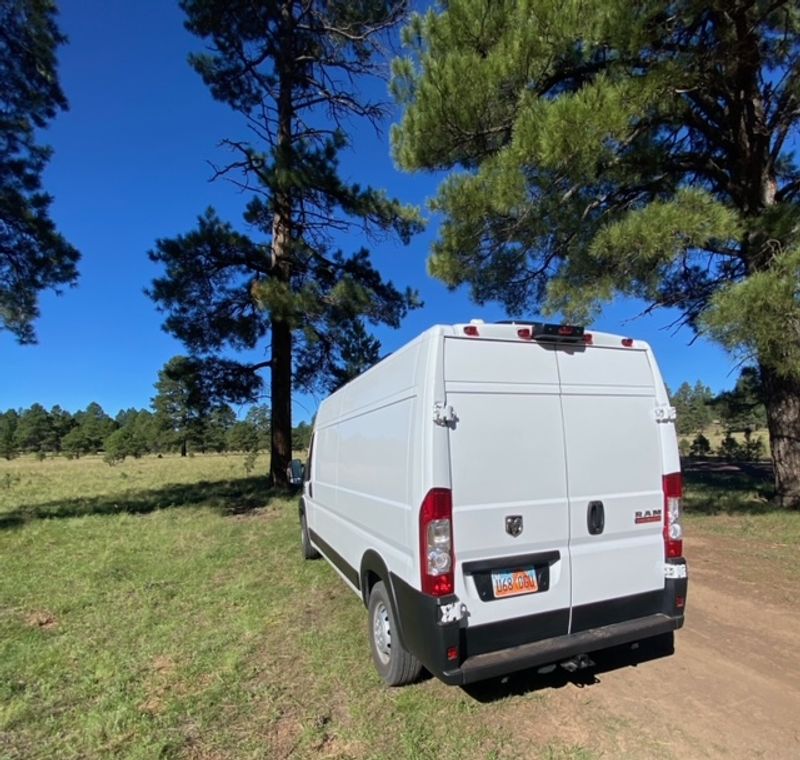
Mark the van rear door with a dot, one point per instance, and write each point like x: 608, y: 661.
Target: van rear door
x: 509, y: 486
x: 614, y: 484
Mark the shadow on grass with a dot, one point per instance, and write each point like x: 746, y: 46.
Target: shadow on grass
x: 528, y: 681
x: 714, y: 486
x: 230, y: 497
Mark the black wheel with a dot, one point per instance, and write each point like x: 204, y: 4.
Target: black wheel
x: 309, y: 552
x: 396, y: 665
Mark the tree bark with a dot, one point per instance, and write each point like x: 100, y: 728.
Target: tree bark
x: 281, y: 434
x: 782, y: 400
x: 281, y: 374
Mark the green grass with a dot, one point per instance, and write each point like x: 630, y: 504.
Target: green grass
x: 160, y: 608
x: 734, y: 501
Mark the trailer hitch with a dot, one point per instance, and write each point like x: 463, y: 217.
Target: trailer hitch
x: 578, y: 662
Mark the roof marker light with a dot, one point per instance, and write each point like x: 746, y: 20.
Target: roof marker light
x: 588, y: 339
x: 471, y: 330
x: 627, y: 342
x: 525, y: 333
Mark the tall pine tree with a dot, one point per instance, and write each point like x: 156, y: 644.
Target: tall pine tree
x: 33, y: 255
x: 611, y: 146
x: 294, y: 71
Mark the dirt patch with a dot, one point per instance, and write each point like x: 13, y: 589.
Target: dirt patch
x: 732, y: 689
x: 41, y: 619
x: 158, y: 685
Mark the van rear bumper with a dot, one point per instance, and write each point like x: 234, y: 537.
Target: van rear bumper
x: 427, y: 631
x: 544, y: 652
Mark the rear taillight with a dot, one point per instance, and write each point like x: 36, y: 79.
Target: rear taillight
x: 673, y: 528
x: 436, y: 542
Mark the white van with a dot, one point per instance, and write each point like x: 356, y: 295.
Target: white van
x: 501, y: 496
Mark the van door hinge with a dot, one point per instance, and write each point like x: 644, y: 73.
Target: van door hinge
x: 665, y: 413
x: 444, y: 415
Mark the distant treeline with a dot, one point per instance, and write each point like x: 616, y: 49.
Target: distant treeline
x: 737, y: 410
x: 187, y: 415
x: 135, y: 432
x: 184, y: 417
x: 740, y: 410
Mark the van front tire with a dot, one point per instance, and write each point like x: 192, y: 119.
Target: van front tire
x: 395, y: 664
x: 309, y: 552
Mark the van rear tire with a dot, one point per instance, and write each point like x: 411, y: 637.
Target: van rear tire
x: 309, y: 552
x: 394, y: 663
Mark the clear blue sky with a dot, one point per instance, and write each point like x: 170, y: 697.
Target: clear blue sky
x: 130, y: 165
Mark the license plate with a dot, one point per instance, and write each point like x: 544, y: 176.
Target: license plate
x: 514, y: 582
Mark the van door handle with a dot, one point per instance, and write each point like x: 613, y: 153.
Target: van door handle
x: 595, y: 517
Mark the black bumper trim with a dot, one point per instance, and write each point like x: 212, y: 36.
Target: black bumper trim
x: 544, y: 652
x: 513, y: 632
x: 609, y: 611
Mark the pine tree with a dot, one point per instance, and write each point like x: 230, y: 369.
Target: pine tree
x: 293, y: 70
x: 8, y: 427
x: 614, y: 147
x: 133, y: 438
x: 95, y: 426
x: 220, y: 421
x: 33, y: 255
x: 184, y: 404
x: 62, y: 422
x: 34, y: 431
x: 242, y: 436
x: 742, y: 408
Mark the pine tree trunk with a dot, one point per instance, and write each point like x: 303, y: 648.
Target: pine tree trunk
x: 281, y: 375
x: 782, y: 399
x: 281, y: 440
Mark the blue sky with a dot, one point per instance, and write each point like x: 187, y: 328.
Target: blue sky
x: 131, y: 165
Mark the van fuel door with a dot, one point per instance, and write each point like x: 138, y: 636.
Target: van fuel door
x: 444, y: 414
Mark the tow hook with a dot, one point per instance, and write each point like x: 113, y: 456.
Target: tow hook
x: 578, y: 662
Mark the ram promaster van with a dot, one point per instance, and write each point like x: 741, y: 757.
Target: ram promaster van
x: 501, y: 496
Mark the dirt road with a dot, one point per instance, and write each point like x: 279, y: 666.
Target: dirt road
x: 732, y: 689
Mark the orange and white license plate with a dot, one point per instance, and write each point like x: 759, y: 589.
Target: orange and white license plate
x: 514, y: 582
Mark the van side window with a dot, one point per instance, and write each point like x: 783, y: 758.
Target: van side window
x: 307, y: 472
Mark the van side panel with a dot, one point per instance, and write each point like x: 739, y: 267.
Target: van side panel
x: 366, y: 449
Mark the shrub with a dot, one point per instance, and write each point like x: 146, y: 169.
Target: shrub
x: 700, y: 447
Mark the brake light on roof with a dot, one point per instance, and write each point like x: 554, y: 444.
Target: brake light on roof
x: 436, y: 543
x: 673, y: 528
x: 548, y: 331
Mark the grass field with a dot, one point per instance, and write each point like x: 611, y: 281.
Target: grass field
x: 160, y: 608
x: 733, y: 501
